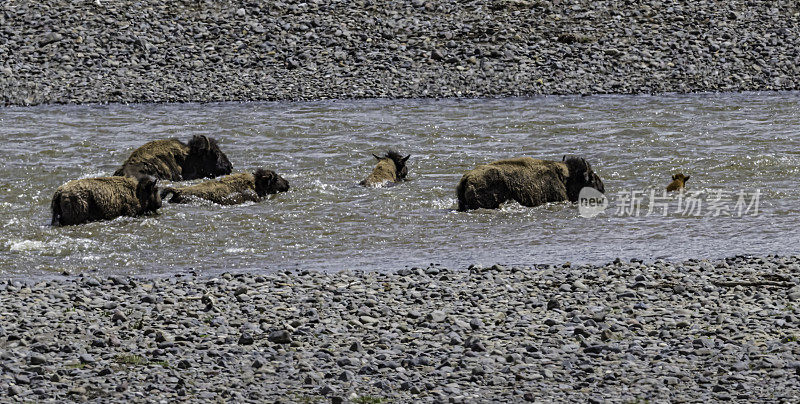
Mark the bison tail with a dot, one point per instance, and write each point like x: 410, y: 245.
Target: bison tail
x: 64, y: 210
x: 55, y: 206
x: 469, y: 198
x: 462, y: 207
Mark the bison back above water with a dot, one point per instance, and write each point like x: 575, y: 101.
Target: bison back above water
x: 92, y: 199
x: 173, y: 160
x: 391, y: 169
x: 231, y: 189
x: 529, y: 181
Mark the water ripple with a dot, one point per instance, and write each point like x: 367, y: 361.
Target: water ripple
x: 730, y: 142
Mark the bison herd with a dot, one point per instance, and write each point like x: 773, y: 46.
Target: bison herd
x: 133, y: 190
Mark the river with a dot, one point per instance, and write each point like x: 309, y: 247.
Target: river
x: 742, y: 152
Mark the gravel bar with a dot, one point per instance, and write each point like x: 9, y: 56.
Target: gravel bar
x: 99, y: 51
x: 687, y: 331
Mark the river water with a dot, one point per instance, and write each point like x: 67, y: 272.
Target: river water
x: 742, y: 151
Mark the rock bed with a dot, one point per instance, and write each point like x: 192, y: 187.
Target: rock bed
x: 623, y: 332
x: 59, y: 51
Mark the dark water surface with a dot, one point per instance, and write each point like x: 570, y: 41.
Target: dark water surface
x: 732, y: 142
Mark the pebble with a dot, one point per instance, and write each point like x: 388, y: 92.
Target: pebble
x: 480, y: 341
x: 436, y: 316
x: 280, y: 337
x: 14, y: 390
x: 37, y: 359
x: 64, y: 52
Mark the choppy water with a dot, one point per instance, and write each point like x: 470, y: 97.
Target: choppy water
x: 734, y: 142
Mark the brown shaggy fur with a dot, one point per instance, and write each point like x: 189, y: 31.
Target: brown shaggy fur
x: 104, y: 198
x: 529, y: 181
x: 171, y: 159
x: 159, y: 158
x: 231, y: 189
x: 678, y: 182
x: 390, y: 170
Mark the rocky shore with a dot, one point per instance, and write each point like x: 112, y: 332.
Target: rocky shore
x: 82, y: 51
x: 622, y: 332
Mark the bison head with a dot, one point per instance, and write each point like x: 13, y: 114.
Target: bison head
x: 269, y: 182
x: 399, y: 163
x: 205, y: 159
x: 147, y: 194
x: 678, y: 182
x: 681, y: 177
x: 580, y: 175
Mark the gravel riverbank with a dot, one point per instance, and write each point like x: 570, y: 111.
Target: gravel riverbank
x: 58, y: 51
x: 621, y: 332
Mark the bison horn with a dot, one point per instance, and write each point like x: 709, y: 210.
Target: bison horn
x: 376, y: 156
x: 150, y: 181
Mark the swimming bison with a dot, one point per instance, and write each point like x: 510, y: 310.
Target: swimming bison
x: 231, y: 189
x: 529, y: 181
x: 391, y: 169
x: 104, y: 198
x: 678, y: 182
x: 171, y: 159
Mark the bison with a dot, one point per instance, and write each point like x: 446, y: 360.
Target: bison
x: 529, y: 181
x: 171, y: 159
x: 391, y: 169
x: 104, y: 198
x: 678, y: 182
x: 231, y: 189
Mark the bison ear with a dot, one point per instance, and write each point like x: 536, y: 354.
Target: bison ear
x: 404, y: 159
x: 674, y: 176
x: 376, y: 156
x: 150, y: 182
